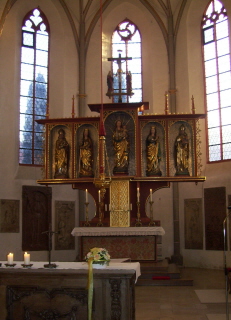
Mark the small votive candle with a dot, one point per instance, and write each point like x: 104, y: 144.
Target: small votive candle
x: 26, y: 258
x: 10, y: 258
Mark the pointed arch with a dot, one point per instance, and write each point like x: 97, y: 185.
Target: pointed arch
x: 216, y: 58
x: 33, y: 85
x: 126, y: 42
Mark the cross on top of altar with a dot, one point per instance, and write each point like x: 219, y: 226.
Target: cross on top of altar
x: 110, y: 79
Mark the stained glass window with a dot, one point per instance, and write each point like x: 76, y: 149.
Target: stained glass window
x: 216, y: 48
x: 33, y: 86
x: 126, y: 42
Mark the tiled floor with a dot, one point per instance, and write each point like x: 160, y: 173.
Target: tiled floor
x: 182, y: 303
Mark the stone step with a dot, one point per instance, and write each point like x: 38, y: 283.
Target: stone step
x: 161, y: 273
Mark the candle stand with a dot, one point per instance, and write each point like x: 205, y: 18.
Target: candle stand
x: 138, y: 221
x: 151, y: 223
x: 100, y: 224
x: 87, y: 223
x: 50, y: 234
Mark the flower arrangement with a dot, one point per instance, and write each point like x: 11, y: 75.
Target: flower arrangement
x: 98, y: 254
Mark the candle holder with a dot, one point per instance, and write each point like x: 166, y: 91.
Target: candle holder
x: 27, y: 266
x: 151, y: 223
x: 138, y: 221
x: 87, y: 223
x: 10, y: 265
x: 100, y: 223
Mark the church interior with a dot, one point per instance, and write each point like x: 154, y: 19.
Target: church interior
x: 115, y: 114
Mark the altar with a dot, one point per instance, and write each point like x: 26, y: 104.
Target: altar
x: 136, y: 243
x: 37, y: 292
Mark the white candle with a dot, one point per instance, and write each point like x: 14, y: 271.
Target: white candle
x: 150, y: 194
x: 26, y: 258
x: 99, y: 195
x: 138, y: 194
x: 10, y: 258
x: 86, y: 196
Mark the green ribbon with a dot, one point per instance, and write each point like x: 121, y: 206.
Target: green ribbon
x: 90, y: 287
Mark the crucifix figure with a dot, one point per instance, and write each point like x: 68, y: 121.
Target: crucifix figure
x: 50, y: 234
x: 121, y: 91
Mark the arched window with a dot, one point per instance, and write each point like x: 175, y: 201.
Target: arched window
x: 216, y: 48
x: 33, y: 86
x: 126, y: 42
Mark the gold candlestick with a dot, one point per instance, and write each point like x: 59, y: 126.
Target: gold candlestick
x: 151, y: 223
x: 87, y: 224
x: 138, y: 221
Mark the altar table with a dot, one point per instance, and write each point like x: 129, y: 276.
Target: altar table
x: 40, y: 293
x: 137, y: 243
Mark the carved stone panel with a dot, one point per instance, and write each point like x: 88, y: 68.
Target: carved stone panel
x: 193, y: 224
x: 215, y: 212
x: 34, y: 303
x: 64, y: 224
x: 36, y: 217
x: 9, y: 215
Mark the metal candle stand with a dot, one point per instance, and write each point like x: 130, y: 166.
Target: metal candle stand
x: 151, y: 223
x: 87, y: 223
x: 138, y: 221
x: 100, y: 224
x: 50, y: 234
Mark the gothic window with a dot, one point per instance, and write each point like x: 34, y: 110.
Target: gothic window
x: 126, y: 42
x: 216, y: 49
x: 33, y: 86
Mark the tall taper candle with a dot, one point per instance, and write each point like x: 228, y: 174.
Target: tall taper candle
x: 150, y: 194
x: 138, y: 194
x: 86, y: 196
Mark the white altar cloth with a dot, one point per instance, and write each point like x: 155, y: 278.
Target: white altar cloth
x: 77, y: 266
x: 113, y: 231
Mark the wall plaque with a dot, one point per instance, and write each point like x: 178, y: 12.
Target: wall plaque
x: 9, y: 215
x: 215, y: 213
x: 193, y: 224
x: 36, y: 217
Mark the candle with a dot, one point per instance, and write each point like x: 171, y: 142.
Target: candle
x: 10, y: 258
x: 26, y: 258
x: 99, y: 195
x: 105, y: 207
x: 150, y: 194
x: 131, y: 206
x: 138, y: 194
x: 86, y: 196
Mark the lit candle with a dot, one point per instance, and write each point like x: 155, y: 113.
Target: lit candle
x: 86, y: 196
x: 10, y: 258
x: 138, y: 194
x: 150, y: 194
x: 26, y: 258
x: 99, y: 195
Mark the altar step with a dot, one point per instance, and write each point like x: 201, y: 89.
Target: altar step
x: 161, y: 273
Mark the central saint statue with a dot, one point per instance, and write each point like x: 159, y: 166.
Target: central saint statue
x: 121, y: 148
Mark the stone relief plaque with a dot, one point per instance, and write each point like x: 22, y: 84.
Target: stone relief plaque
x: 64, y: 224
x: 9, y: 216
x: 193, y: 224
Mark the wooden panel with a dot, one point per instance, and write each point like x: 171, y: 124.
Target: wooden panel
x: 36, y: 216
x: 215, y: 212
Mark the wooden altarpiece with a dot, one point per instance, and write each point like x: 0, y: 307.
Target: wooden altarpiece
x: 119, y: 189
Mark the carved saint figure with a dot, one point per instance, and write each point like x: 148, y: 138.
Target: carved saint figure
x: 182, y: 152
x: 109, y: 84
x: 153, y: 153
x: 121, y: 148
x: 86, y: 155
x: 61, y: 156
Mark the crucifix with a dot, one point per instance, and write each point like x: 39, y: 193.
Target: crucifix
x: 50, y: 234
x: 121, y: 91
